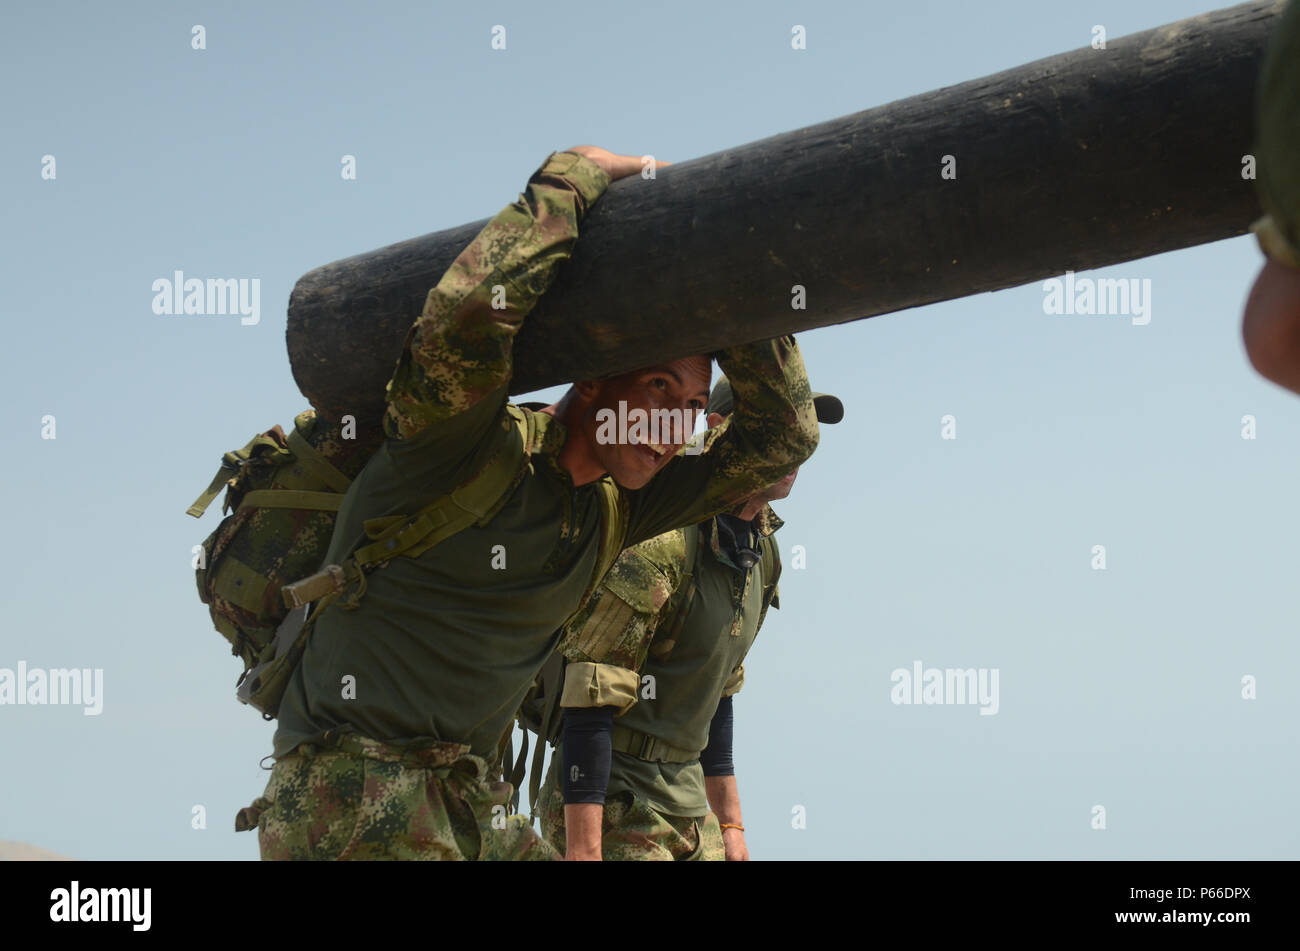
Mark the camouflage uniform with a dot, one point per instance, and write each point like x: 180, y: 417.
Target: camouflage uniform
x: 1278, y: 142
x: 656, y: 808
x: 441, y: 647
x: 375, y: 802
x: 633, y: 831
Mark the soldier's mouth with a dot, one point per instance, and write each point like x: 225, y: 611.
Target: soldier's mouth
x: 651, y: 452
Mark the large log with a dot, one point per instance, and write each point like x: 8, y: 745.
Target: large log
x: 1077, y: 161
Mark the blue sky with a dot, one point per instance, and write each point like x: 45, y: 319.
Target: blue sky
x: 1118, y: 687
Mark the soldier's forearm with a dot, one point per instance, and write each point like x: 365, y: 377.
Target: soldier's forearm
x: 774, y: 420
x: 582, y: 827
x: 585, y: 764
x: 724, y: 799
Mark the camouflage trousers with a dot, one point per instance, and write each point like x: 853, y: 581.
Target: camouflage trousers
x: 371, y: 801
x: 633, y: 831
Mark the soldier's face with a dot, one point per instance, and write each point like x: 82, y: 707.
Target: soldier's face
x: 665, y: 398
x: 780, y: 489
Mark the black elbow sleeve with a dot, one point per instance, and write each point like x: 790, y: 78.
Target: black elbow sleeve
x: 716, y: 758
x: 586, y: 753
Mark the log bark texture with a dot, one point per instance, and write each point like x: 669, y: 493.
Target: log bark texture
x: 1077, y: 161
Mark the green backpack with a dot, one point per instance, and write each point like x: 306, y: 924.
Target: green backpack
x: 282, y: 493
x: 256, y: 570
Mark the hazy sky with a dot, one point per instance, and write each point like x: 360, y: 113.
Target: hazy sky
x: 1119, y: 688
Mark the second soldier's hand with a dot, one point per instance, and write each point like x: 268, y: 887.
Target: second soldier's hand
x: 733, y: 842
x: 615, y: 166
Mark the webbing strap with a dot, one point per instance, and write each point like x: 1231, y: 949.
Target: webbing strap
x: 552, y: 675
x: 291, y: 499
x: 315, y: 463
x: 535, y: 774
x: 224, y: 474
x: 328, y: 581
x: 475, y: 501
x: 304, y: 453
x: 231, y: 464
x: 647, y: 747
x: 771, y: 572
x: 516, y: 772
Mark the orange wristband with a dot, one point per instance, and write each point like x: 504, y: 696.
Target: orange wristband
x: 728, y: 825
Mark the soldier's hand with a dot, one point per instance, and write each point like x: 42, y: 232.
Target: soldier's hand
x: 616, y: 166
x: 733, y: 843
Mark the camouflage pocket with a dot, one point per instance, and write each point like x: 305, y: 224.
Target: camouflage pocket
x: 413, y: 813
x: 264, y: 683
x: 620, y: 619
x: 708, y: 833
x: 311, y: 809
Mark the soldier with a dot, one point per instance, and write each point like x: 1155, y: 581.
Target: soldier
x: 410, y: 678
x: 660, y: 784
x: 1271, y: 324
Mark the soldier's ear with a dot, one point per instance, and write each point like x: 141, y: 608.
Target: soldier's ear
x: 713, y: 419
x: 586, y: 390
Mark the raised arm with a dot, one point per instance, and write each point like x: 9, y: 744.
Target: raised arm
x: 772, y: 430
x: 458, y: 353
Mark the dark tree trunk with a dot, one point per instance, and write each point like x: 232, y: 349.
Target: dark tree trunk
x: 1077, y: 161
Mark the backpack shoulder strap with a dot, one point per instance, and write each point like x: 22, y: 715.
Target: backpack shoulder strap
x: 475, y: 501
x: 316, y: 464
x: 771, y: 567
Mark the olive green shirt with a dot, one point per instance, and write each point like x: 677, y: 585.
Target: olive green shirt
x: 691, y: 661
x: 443, y: 646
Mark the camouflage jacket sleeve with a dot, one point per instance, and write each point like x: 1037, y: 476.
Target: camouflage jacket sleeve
x: 458, y: 353
x: 772, y: 430
x: 1277, y: 133
x: 606, y: 643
